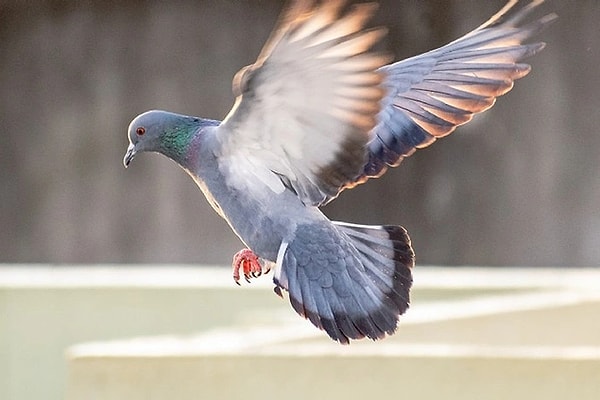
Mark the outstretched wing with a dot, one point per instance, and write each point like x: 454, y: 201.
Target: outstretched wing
x: 304, y: 110
x: 429, y: 95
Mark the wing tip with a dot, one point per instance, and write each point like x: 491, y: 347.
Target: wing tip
x: 510, y: 16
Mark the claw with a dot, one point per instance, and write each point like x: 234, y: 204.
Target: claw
x: 277, y: 291
x: 249, y: 264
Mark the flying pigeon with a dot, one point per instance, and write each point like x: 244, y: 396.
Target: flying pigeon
x: 320, y: 112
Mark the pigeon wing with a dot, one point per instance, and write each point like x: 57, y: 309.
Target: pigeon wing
x: 305, y: 108
x: 431, y: 94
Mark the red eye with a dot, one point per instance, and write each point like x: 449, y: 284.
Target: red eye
x: 140, y: 130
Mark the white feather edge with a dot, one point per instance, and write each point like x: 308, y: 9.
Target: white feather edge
x: 277, y: 273
x: 243, y: 170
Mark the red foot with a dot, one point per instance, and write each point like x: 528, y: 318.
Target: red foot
x: 248, y: 262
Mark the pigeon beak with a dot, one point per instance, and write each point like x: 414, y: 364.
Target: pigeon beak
x: 129, y: 155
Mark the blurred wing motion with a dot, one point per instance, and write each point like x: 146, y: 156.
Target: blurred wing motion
x: 317, y: 96
x: 304, y: 110
x: 429, y: 95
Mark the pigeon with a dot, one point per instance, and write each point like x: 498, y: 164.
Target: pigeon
x: 321, y: 111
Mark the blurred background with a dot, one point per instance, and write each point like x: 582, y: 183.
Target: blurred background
x: 517, y: 186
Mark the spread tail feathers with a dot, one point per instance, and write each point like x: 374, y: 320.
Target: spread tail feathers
x: 352, y: 281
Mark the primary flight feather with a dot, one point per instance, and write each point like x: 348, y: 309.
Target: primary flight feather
x: 320, y: 112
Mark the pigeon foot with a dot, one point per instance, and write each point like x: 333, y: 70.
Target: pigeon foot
x: 248, y: 262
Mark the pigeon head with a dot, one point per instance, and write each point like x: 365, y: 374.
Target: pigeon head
x: 162, y: 132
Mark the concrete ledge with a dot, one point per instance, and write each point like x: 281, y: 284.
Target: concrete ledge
x: 332, y: 377
x: 142, y: 331
x: 530, y: 342
x: 293, y: 359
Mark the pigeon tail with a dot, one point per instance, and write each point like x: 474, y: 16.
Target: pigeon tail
x: 352, y: 281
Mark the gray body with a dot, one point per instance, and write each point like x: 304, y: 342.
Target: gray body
x: 262, y: 220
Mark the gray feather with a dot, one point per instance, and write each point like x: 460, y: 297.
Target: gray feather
x: 357, y: 291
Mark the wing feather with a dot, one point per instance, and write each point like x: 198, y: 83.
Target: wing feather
x: 431, y: 94
x: 319, y: 111
x: 305, y: 108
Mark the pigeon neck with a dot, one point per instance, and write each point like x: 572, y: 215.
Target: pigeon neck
x: 180, y: 142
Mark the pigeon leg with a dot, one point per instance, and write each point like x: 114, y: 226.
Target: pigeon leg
x: 248, y: 262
